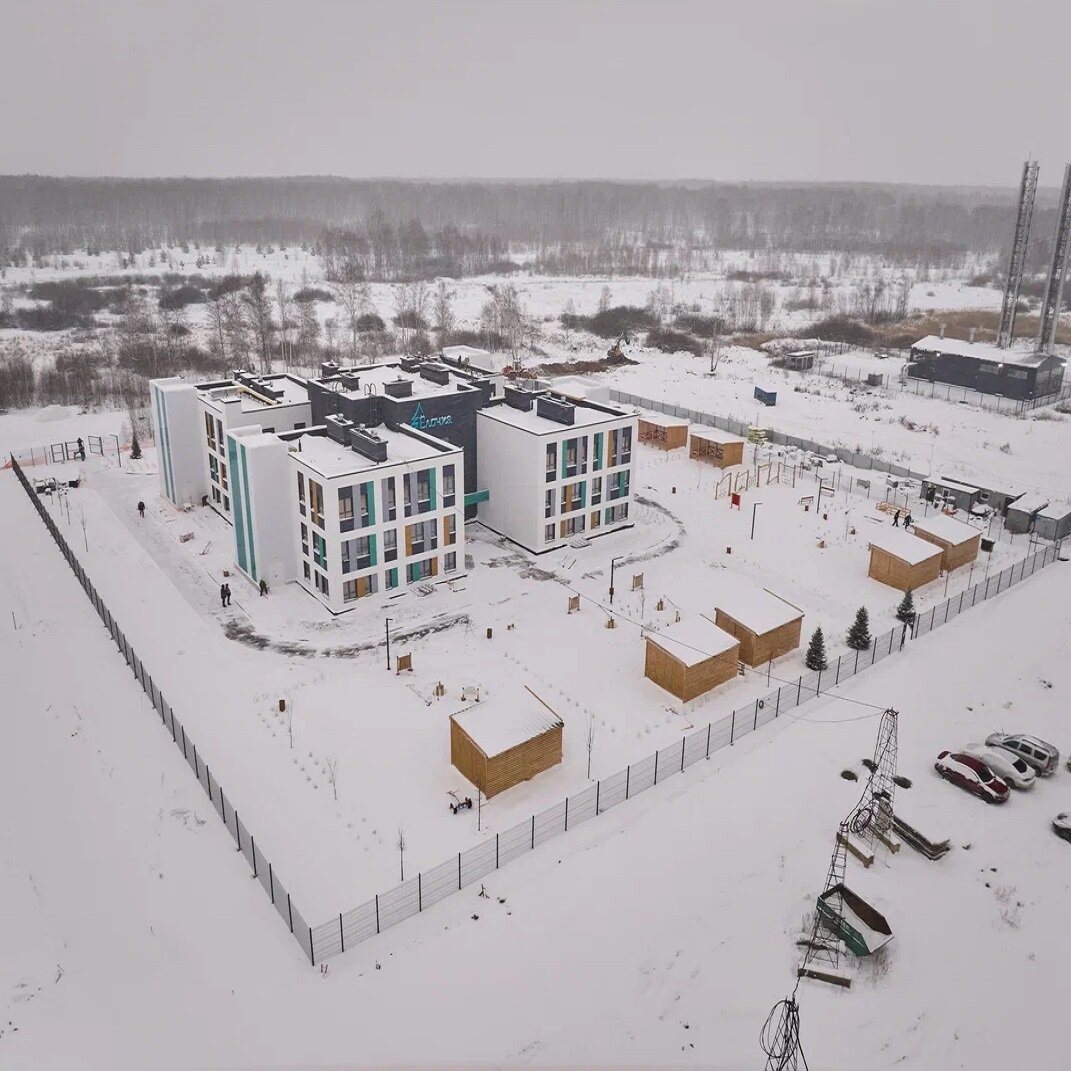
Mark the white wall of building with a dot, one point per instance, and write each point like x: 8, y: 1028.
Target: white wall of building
x: 175, y: 416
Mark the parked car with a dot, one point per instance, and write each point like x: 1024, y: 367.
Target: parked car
x: 1011, y: 769
x: 1036, y: 752
x: 972, y: 775
x: 1061, y: 825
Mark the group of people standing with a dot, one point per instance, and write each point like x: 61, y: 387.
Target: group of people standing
x: 896, y: 519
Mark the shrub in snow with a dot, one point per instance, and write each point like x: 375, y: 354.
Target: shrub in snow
x: 859, y: 633
x: 905, y: 612
x: 135, y: 448
x: 816, y: 652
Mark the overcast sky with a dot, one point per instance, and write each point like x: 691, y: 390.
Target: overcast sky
x: 942, y: 91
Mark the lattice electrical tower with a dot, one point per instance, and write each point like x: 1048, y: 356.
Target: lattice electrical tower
x: 1054, y: 287
x: 1027, y: 189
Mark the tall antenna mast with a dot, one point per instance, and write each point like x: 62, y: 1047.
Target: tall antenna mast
x: 1054, y: 288
x: 1018, y: 255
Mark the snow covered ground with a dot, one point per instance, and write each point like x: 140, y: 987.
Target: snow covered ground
x: 660, y: 934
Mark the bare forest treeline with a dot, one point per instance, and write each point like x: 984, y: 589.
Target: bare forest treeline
x: 396, y: 230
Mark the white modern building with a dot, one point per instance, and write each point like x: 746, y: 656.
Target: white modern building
x: 374, y: 510
x: 554, y: 468
x: 173, y: 403
x: 274, y: 403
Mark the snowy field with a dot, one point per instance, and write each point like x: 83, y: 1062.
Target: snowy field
x: 659, y: 935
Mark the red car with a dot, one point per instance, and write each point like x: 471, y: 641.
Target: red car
x: 972, y: 775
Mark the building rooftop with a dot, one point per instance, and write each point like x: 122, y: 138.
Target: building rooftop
x: 1029, y: 503
x: 495, y: 726
x: 756, y: 609
x: 291, y: 391
x: 332, y: 459
x: 1056, y: 511
x: 715, y: 435
x: 663, y: 421
x: 906, y: 547
x: 946, y: 528
x: 361, y: 380
x: 980, y: 351
x: 693, y: 640
x: 584, y: 416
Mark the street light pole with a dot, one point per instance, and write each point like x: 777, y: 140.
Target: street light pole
x: 387, y: 623
x: 754, y: 507
x: 613, y: 562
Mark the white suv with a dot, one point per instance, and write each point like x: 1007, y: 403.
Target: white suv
x: 1033, y: 751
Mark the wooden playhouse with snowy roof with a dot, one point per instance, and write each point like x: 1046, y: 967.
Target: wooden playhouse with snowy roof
x: 663, y: 432
x: 691, y: 657
x: 904, y: 561
x: 715, y: 447
x: 766, y: 626
x: 499, y: 743
x: 959, y: 541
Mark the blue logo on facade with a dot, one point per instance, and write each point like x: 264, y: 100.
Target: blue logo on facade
x: 421, y: 422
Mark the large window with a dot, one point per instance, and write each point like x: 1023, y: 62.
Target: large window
x: 618, y: 486
x: 416, y: 571
x: 359, y: 587
x: 301, y: 492
x: 569, y: 458
x: 319, y: 550
x: 345, y: 509
x: 571, y: 526
x: 366, y: 501
x: 390, y: 545
x: 213, y: 467
x: 390, y: 499
x: 620, y: 447
x: 305, y: 540
x: 392, y: 578
x: 450, y: 562
x: 548, y: 533
x: 418, y: 491
x: 449, y: 530
x: 449, y: 490
x: 316, y: 503
x: 210, y: 431
x: 596, y: 490
x: 552, y: 462
x: 223, y: 475
x: 420, y: 537
x: 572, y: 497
x: 598, y: 448
x: 321, y: 582
x: 616, y: 513
x: 548, y: 503
x: 357, y: 554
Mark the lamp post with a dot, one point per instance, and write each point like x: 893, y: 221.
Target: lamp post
x: 387, y: 623
x: 613, y: 562
x: 754, y: 507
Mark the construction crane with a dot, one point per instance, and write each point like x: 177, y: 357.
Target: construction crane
x: 1027, y: 189
x: 1054, y: 287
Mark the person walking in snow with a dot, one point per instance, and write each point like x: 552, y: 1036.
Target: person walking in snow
x: 907, y: 521
x: 81, y: 450
x: 227, y: 589
x: 223, y: 595
x: 141, y: 510
x: 263, y: 587
x: 896, y: 519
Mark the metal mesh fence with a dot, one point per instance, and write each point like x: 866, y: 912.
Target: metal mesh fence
x: 260, y: 866
x: 431, y: 886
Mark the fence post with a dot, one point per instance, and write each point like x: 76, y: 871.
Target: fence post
x: 496, y: 851
x: 566, y: 814
x: 777, y: 709
x: 732, y: 732
x: 341, y: 933
x: 656, y: 766
x: 290, y: 912
x: 184, y: 743
x: 196, y: 769
x: 598, y: 787
x: 271, y: 884
x: 208, y: 778
x: 628, y: 778
x: 419, y: 891
x: 799, y: 689
x: 836, y: 680
x: 459, y: 870
x: 253, y: 852
x: 377, y: 912
x: 533, y: 832
x: 237, y: 830
x: 709, y: 724
x: 312, y: 948
x: 683, y: 742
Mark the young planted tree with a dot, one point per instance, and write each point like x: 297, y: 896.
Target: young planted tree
x: 859, y: 633
x: 905, y: 612
x: 135, y: 446
x: 816, y: 652
x: 401, y: 850
x: 332, y: 773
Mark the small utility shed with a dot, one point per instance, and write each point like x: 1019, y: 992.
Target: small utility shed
x: 1022, y: 512
x: 717, y: 447
x: 1054, y: 521
x: 691, y: 657
x: 665, y: 432
x: 959, y: 541
x: 766, y: 626
x: 904, y: 561
x: 497, y: 744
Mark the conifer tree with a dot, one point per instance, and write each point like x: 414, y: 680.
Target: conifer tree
x: 905, y: 612
x: 859, y: 633
x: 135, y: 447
x: 816, y: 651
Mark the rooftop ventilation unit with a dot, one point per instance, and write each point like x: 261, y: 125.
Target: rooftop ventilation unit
x: 555, y: 409
x: 338, y: 428
x: 435, y: 373
x: 328, y: 369
x: 368, y: 444
x: 398, y: 388
x: 519, y: 398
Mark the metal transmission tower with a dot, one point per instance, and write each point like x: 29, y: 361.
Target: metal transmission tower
x: 1018, y: 255
x: 1054, y: 288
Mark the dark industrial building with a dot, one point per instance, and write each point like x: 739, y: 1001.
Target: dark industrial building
x: 981, y: 366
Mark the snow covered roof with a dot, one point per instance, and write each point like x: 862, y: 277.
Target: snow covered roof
x: 757, y: 610
x: 953, y: 484
x: 663, y: 421
x: 906, y: 547
x: 714, y: 435
x: 979, y: 351
x: 495, y: 726
x: 1029, y: 503
x: 1055, y: 511
x: 693, y: 641
x: 946, y: 528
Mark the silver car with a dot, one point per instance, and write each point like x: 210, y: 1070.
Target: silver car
x: 1033, y: 751
x: 1011, y: 769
